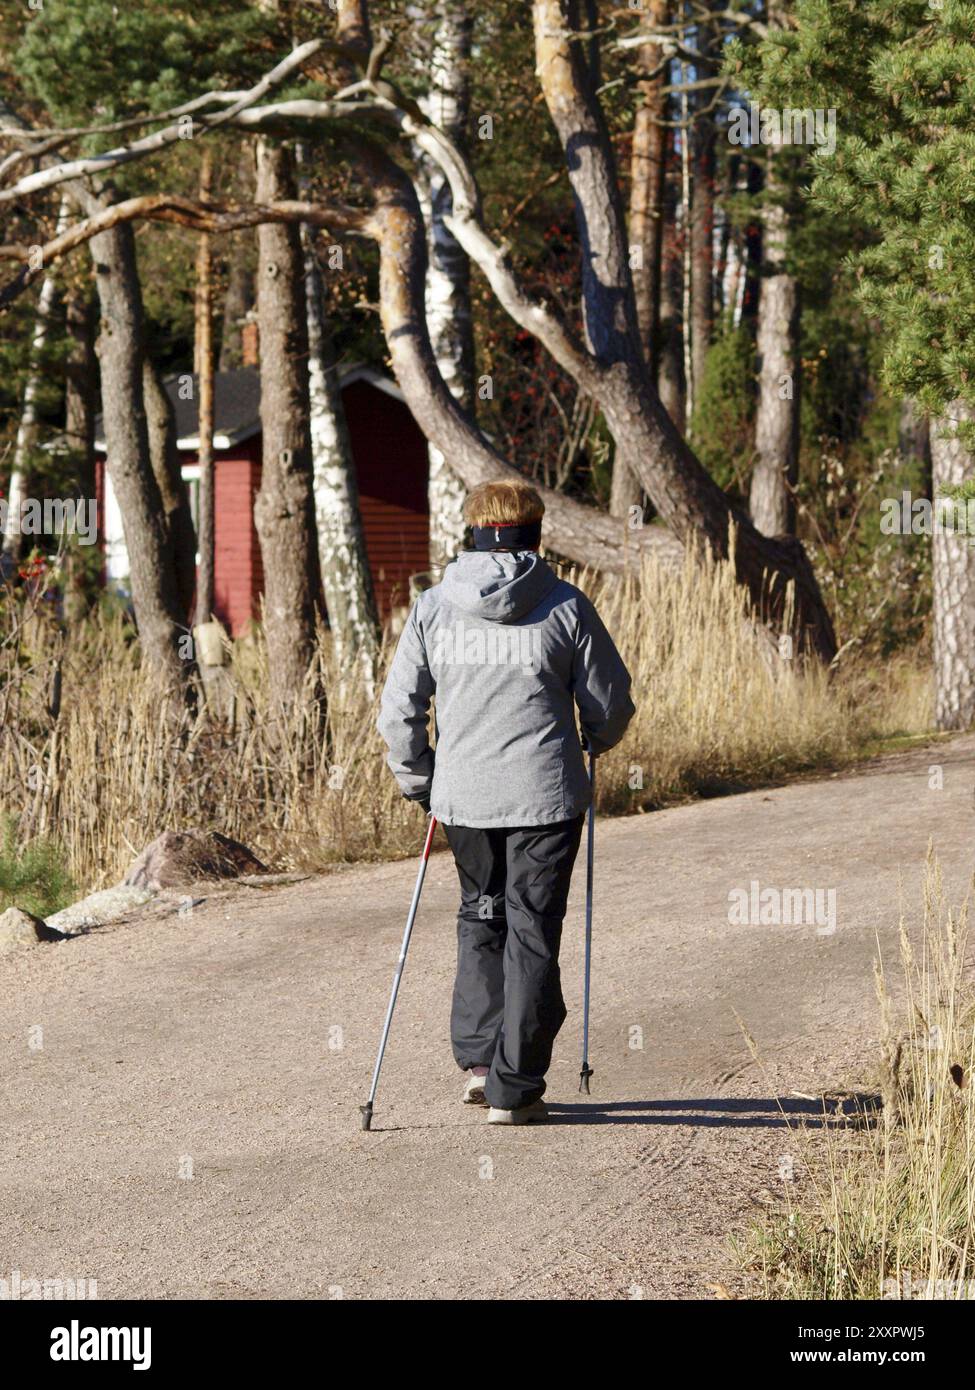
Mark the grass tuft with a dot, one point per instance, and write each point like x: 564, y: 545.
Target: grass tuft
x: 889, y: 1206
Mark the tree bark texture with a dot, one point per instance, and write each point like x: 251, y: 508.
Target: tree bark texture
x: 164, y: 457
x: 159, y: 610
x: 953, y: 580
x: 776, y: 471
x: 284, y: 506
x: 448, y: 291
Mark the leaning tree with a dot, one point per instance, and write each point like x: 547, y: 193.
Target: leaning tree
x: 382, y: 131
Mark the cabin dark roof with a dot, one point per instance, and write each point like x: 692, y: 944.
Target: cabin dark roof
x: 236, y: 404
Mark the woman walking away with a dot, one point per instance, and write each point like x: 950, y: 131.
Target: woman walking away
x: 510, y: 651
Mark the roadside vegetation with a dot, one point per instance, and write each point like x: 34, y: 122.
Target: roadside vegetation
x: 34, y: 878
x: 885, y: 1208
x: 90, y: 756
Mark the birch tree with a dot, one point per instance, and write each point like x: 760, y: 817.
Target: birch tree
x: 350, y: 599
x: 346, y: 576
x: 953, y: 574
x: 446, y: 104
x: 27, y: 429
x: 776, y: 471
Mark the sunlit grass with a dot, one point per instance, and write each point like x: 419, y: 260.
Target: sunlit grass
x: 887, y: 1210
x: 114, y: 769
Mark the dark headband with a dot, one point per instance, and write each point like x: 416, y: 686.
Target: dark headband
x: 507, y: 535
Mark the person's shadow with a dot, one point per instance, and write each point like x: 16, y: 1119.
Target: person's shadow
x: 776, y: 1112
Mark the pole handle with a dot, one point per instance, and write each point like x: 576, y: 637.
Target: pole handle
x: 429, y: 840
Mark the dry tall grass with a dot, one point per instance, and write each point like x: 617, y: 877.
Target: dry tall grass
x: 111, y: 770
x: 890, y: 1211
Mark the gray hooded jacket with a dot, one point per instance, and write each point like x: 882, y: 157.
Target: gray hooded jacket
x: 508, y: 649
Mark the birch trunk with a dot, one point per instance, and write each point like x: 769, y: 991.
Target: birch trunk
x: 346, y: 576
x: 448, y: 300
x: 12, y: 542
x: 772, y: 494
x: 28, y: 426
x: 953, y: 581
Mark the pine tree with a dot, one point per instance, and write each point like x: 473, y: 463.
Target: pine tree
x: 900, y: 75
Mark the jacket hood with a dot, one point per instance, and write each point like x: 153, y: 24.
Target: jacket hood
x: 498, y: 585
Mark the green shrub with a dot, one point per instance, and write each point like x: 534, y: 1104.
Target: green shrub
x: 723, y: 423
x: 33, y: 877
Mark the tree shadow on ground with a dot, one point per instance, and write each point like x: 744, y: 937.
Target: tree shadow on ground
x: 782, y: 1112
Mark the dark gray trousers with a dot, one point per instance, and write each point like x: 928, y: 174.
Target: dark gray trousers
x: 507, y: 1006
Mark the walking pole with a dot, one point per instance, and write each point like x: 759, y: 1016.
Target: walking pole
x: 586, y: 1071
x: 366, y: 1110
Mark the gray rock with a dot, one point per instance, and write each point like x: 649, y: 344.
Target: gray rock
x: 98, y: 909
x: 19, y: 929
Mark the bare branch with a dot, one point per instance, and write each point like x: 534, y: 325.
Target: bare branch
x: 111, y: 159
x: 38, y: 143
x: 465, y: 224
x: 738, y: 19
x: 201, y: 216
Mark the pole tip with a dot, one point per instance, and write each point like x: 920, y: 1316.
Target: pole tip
x: 584, y: 1076
x: 366, y: 1112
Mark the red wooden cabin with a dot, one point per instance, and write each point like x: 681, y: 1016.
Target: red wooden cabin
x: 390, y: 455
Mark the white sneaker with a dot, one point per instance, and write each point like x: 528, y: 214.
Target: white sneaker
x: 533, y: 1114
x: 474, y: 1090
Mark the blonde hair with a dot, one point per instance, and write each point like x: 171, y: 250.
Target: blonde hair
x: 496, y: 504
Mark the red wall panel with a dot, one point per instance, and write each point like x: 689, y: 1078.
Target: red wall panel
x: 391, y: 465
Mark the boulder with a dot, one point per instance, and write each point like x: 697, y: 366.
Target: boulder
x: 98, y: 909
x: 19, y: 928
x: 186, y: 856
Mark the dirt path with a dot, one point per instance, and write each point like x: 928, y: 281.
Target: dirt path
x: 188, y: 1127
